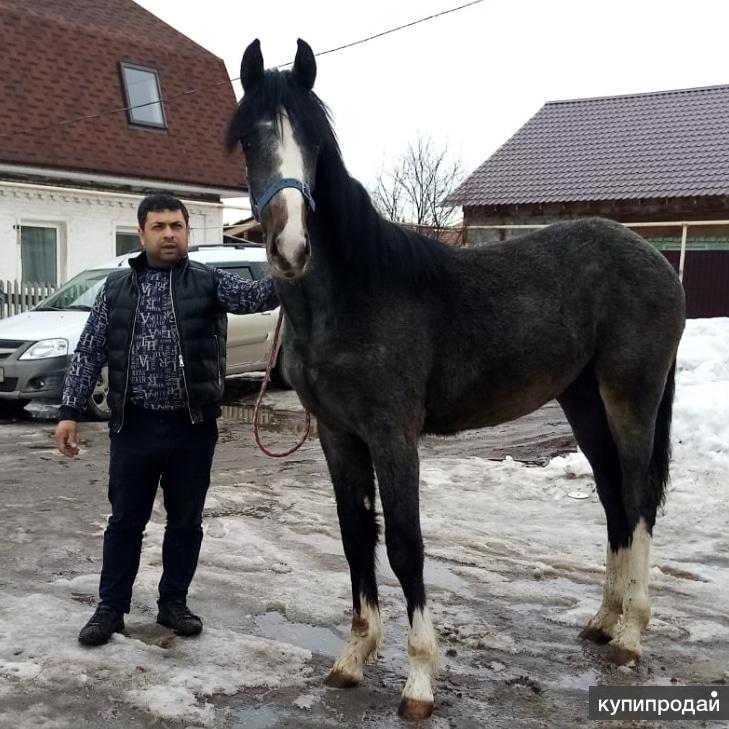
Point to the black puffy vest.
(201, 324)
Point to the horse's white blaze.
(363, 643)
(423, 652)
(636, 603)
(293, 236)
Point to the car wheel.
(97, 408)
(278, 376)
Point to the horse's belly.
(452, 422)
(487, 406)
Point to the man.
(160, 325)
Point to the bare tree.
(412, 189)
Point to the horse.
(390, 335)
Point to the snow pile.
(167, 677)
(701, 407)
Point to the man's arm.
(243, 296)
(82, 375)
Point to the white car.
(35, 346)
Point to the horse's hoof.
(595, 635)
(622, 656)
(340, 680)
(415, 709)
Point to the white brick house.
(79, 228)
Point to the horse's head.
(281, 126)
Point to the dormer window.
(142, 95)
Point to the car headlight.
(46, 348)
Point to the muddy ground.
(509, 656)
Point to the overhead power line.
(32, 131)
(392, 30)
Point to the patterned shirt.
(155, 375)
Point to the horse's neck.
(313, 302)
(309, 301)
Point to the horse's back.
(586, 270)
(565, 252)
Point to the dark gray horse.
(390, 335)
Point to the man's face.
(164, 237)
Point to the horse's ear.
(305, 65)
(251, 67)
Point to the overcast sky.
(469, 79)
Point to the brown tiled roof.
(59, 59)
(655, 145)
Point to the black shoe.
(177, 615)
(103, 624)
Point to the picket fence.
(19, 296)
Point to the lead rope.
(262, 392)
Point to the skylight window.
(142, 95)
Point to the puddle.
(151, 634)
(577, 681)
(84, 598)
(329, 545)
(270, 419)
(261, 718)
(436, 574)
(318, 640)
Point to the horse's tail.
(661, 457)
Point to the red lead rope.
(262, 392)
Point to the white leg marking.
(293, 236)
(611, 609)
(423, 652)
(636, 603)
(363, 643)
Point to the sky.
(471, 78)
(473, 521)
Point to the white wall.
(87, 223)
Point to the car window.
(260, 269)
(79, 293)
(238, 269)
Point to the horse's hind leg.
(638, 409)
(585, 412)
(396, 462)
(352, 474)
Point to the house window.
(142, 96)
(39, 254)
(127, 242)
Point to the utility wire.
(87, 117)
(392, 30)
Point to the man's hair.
(157, 204)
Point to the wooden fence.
(19, 296)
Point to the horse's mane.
(355, 235)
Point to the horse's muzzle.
(286, 259)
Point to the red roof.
(656, 145)
(60, 60)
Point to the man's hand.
(67, 437)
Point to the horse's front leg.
(351, 470)
(397, 466)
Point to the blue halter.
(258, 206)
